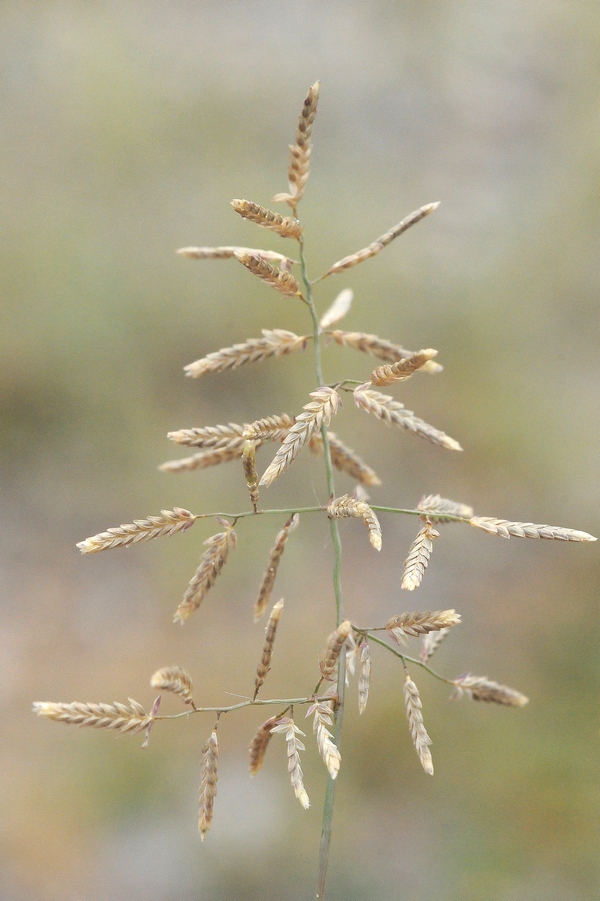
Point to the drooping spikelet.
(403, 369)
(480, 688)
(274, 343)
(249, 462)
(213, 561)
(439, 509)
(415, 624)
(213, 436)
(506, 529)
(333, 648)
(259, 744)
(208, 783)
(268, 579)
(418, 557)
(431, 643)
(226, 253)
(378, 245)
(338, 309)
(168, 523)
(392, 412)
(346, 506)
(279, 279)
(298, 170)
(323, 711)
(271, 428)
(265, 663)
(176, 679)
(209, 457)
(283, 225)
(345, 459)
(286, 726)
(418, 733)
(325, 404)
(123, 717)
(364, 678)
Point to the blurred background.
(127, 128)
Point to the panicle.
(334, 645)
(392, 412)
(418, 732)
(480, 688)
(418, 557)
(176, 679)
(506, 529)
(265, 663)
(212, 562)
(168, 523)
(346, 506)
(208, 783)
(283, 225)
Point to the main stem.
(339, 601)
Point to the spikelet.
(249, 462)
(338, 309)
(208, 783)
(279, 279)
(213, 436)
(124, 717)
(364, 678)
(431, 643)
(378, 245)
(418, 733)
(213, 561)
(403, 369)
(325, 404)
(415, 624)
(168, 523)
(439, 509)
(418, 557)
(505, 529)
(327, 748)
(268, 579)
(352, 654)
(175, 679)
(346, 506)
(271, 428)
(345, 459)
(259, 744)
(226, 253)
(274, 343)
(371, 344)
(392, 412)
(333, 648)
(265, 663)
(286, 726)
(298, 170)
(203, 459)
(480, 688)
(283, 225)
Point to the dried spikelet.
(259, 744)
(505, 529)
(480, 688)
(403, 369)
(274, 343)
(268, 579)
(213, 436)
(418, 557)
(168, 523)
(431, 643)
(265, 663)
(279, 279)
(418, 733)
(415, 624)
(327, 748)
(175, 679)
(283, 225)
(345, 459)
(352, 654)
(371, 344)
(213, 561)
(348, 506)
(226, 253)
(378, 245)
(334, 645)
(208, 783)
(298, 170)
(124, 717)
(364, 678)
(338, 308)
(392, 412)
(271, 428)
(203, 459)
(325, 404)
(439, 509)
(286, 726)
(249, 462)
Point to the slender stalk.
(289, 511)
(403, 657)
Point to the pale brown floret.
(333, 648)
(124, 717)
(259, 744)
(364, 676)
(338, 309)
(379, 347)
(265, 663)
(268, 579)
(347, 506)
(227, 253)
(208, 783)
(168, 523)
(176, 679)
(439, 509)
(213, 436)
(418, 733)
(418, 557)
(480, 688)
(506, 529)
(345, 459)
(298, 170)
(279, 279)
(249, 463)
(282, 225)
(323, 711)
(274, 343)
(392, 412)
(271, 428)
(415, 624)
(213, 561)
(203, 459)
(431, 643)
(403, 369)
(286, 726)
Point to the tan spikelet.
(328, 750)
(281, 280)
(403, 369)
(274, 343)
(418, 557)
(168, 523)
(346, 506)
(439, 509)
(213, 561)
(286, 726)
(418, 733)
(338, 309)
(299, 167)
(175, 679)
(271, 428)
(364, 678)
(415, 624)
(392, 412)
(213, 436)
(123, 717)
(208, 783)
(249, 463)
(203, 459)
(259, 745)
(371, 344)
(268, 579)
(227, 253)
(480, 688)
(378, 245)
(506, 529)
(325, 404)
(431, 643)
(265, 663)
(333, 648)
(345, 459)
(282, 225)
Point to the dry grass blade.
(403, 369)
(345, 459)
(325, 404)
(415, 624)
(208, 783)
(378, 245)
(431, 643)
(418, 733)
(265, 663)
(364, 678)
(274, 343)
(249, 462)
(480, 688)
(333, 648)
(213, 436)
(271, 428)
(168, 523)
(279, 279)
(506, 529)
(327, 748)
(123, 717)
(203, 459)
(175, 679)
(299, 167)
(213, 561)
(268, 579)
(418, 557)
(392, 412)
(438, 509)
(282, 225)
(347, 506)
(338, 309)
(259, 744)
(226, 253)
(286, 726)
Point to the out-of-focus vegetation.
(126, 129)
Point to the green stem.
(403, 657)
(288, 512)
